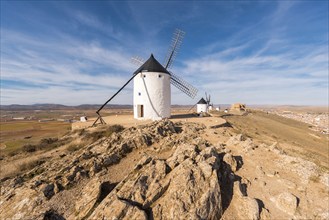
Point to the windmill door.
(140, 110)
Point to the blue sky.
(78, 52)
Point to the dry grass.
(74, 147)
(15, 134)
(44, 144)
(315, 178)
(24, 167)
(29, 165)
(96, 135)
(272, 128)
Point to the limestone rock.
(242, 141)
(287, 202)
(57, 187)
(235, 140)
(181, 153)
(188, 190)
(230, 161)
(52, 215)
(94, 192)
(274, 148)
(246, 207)
(25, 202)
(265, 214)
(48, 191)
(248, 145)
(95, 168)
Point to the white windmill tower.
(201, 106)
(152, 91)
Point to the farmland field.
(15, 134)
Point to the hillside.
(255, 166)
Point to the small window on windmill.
(144, 76)
(139, 94)
(160, 75)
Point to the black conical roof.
(151, 65)
(202, 101)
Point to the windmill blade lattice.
(137, 60)
(183, 86)
(174, 47)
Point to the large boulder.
(94, 192)
(246, 207)
(188, 189)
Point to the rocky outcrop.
(185, 189)
(231, 162)
(72, 187)
(287, 202)
(246, 207)
(245, 143)
(167, 171)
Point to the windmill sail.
(183, 86)
(137, 60)
(174, 47)
(178, 82)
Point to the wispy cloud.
(263, 76)
(42, 70)
(267, 65)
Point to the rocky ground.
(319, 121)
(168, 170)
(318, 118)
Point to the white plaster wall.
(201, 108)
(155, 95)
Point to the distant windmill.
(152, 91)
(209, 106)
(203, 106)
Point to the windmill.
(203, 106)
(152, 91)
(209, 106)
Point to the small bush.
(74, 147)
(94, 136)
(79, 132)
(51, 143)
(46, 141)
(115, 129)
(30, 165)
(29, 148)
(13, 153)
